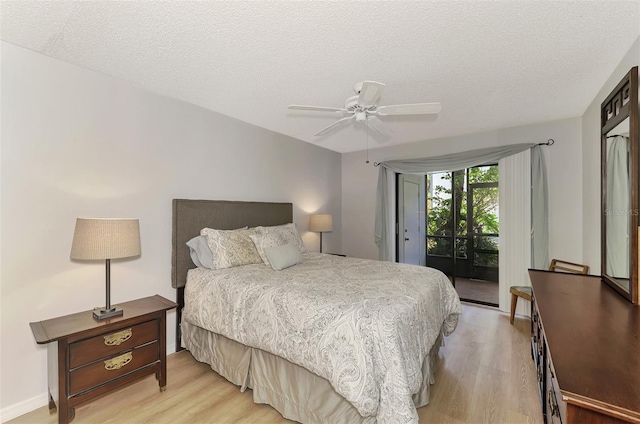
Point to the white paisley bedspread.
(365, 326)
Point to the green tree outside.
(441, 189)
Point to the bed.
(317, 341)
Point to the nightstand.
(87, 358)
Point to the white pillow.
(231, 247)
(281, 257)
(200, 253)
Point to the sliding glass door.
(462, 230)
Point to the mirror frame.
(612, 113)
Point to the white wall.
(564, 166)
(591, 161)
(77, 143)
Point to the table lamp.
(321, 223)
(106, 239)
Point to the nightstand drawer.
(100, 372)
(104, 345)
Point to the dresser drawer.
(556, 408)
(100, 372)
(104, 345)
(560, 407)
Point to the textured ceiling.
(490, 64)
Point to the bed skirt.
(295, 392)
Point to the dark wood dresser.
(88, 358)
(585, 341)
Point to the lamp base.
(102, 313)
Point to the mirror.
(618, 205)
(619, 167)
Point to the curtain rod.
(547, 143)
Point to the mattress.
(364, 326)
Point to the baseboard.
(14, 411)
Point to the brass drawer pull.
(118, 338)
(118, 362)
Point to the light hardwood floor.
(485, 375)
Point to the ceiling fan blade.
(370, 93)
(316, 108)
(339, 123)
(412, 109)
(378, 125)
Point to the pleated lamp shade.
(105, 238)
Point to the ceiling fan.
(363, 107)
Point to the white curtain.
(515, 227)
(539, 211)
(618, 208)
(446, 163)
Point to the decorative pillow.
(200, 253)
(231, 247)
(281, 257)
(287, 232)
(264, 241)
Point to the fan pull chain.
(367, 131)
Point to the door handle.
(406, 239)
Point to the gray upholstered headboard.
(190, 216)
